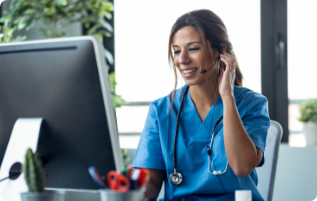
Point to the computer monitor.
(65, 82)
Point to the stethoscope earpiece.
(217, 173)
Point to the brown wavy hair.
(211, 29)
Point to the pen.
(124, 171)
(129, 170)
(134, 179)
(96, 177)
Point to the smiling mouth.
(189, 71)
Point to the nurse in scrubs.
(222, 126)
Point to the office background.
(257, 29)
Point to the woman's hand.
(227, 77)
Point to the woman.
(207, 166)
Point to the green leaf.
(100, 36)
(21, 25)
(106, 24)
(109, 57)
(94, 29)
(30, 25)
(124, 154)
(19, 38)
(30, 11)
(117, 100)
(60, 2)
(48, 10)
(108, 6)
(61, 34)
(86, 24)
(108, 15)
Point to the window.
(302, 69)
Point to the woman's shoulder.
(248, 101)
(166, 100)
(246, 94)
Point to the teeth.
(189, 71)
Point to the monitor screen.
(64, 81)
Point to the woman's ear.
(224, 47)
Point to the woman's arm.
(241, 152)
(154, 184)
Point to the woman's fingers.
(228, 66)
(228, 78)
(228, 55)
(230, 60)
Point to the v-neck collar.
(192, 120)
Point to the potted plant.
(55, 15)
(34, 177)
(308, 115)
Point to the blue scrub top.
(155, 150)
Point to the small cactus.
(33, 172)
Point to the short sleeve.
(257, 122)
(149, 152)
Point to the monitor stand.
(25, 134)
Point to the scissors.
(118, 182)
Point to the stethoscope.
(176, 177)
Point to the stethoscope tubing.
(211, 142)
(176, 130)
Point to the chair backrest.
(266, 173)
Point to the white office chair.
(266, 173)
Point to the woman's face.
(190, 57)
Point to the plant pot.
(45, 196)
(310, 132)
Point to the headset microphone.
(204, 71)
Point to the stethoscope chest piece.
(176, 178)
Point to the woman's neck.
(203, 96)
